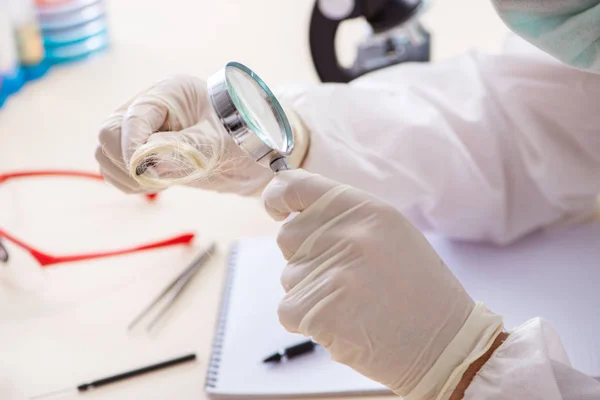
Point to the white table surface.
(71, 327)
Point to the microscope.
(396, 36)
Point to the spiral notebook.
(555, 275)
(248, 330)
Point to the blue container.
(13, 81)
(56, 18)
(3, 95)
(33, 72)
(74, 31)
(61, 37)
(79, 50)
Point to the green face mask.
(566, 29)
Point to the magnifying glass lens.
(256, 107)
(252, 116)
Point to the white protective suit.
(516, 136)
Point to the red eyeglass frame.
(46, 259)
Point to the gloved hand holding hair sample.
(172, 133)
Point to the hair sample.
(178, 158)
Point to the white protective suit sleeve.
(531, 365)
(481, 147)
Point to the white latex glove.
(365, 284)
(178, 107)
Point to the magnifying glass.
(251, 114)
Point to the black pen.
(291, 352)
(125, 375)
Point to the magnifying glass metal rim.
(237, 126)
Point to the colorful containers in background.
(21, 47)
(11, 75)
(72, 29)
(36, 34)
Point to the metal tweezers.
(175, 288)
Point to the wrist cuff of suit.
(474, 339)
(301, 139)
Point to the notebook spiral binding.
(212, 374)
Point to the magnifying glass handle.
(280, 164)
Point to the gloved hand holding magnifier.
(249, 112)
(251, 115)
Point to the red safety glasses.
(45, 259)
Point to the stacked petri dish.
(73, 29)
